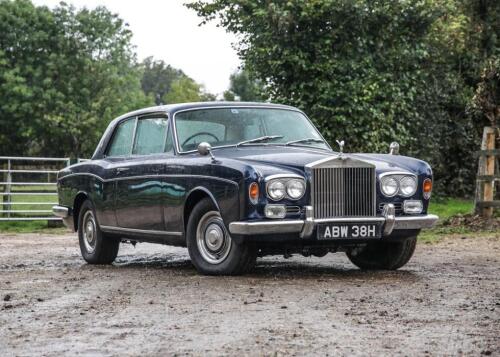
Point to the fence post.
(485, 183)
(490, 170)
(8, 188)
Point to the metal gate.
(28, 187)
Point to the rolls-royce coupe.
(235, 181)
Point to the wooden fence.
(488, 174)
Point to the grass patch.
(449, 207)
(30, 227)
(436, 234)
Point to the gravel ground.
(446, 301)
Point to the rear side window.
(150, 136)
(121, 143)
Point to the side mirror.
(394, 148)
(204, 149)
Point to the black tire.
(384, 255)
(228, 259)
(100, 249)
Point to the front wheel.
(96, 248)
(210, 246)
(384, 255)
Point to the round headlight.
(276, 190)
(408, 186)
(389, 186)
(295, 189)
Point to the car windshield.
(245, 126)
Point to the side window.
(150, 136)
(121, 143)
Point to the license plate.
(349, 231)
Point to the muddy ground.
(446, 301)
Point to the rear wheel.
(96, 248)
(384, 255)
(210, 246)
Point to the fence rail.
(28, 187)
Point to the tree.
(183, 90)
(244, 88)
(158, 77)
(64, 74)
(486, 101)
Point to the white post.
(8, 187)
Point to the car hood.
(296, 158)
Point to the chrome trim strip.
(277, 176)
(292, 109)
(350, 220)
(146, 176)
(401, 173)
(60, 211)
(112, 229)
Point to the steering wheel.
(198, 134)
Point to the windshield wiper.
(259, 139)
(305, 141)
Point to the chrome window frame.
(164, 114)
(176, 139)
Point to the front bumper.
(60, 211)
(305, 227)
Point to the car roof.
(172, 108)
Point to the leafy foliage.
(64, 74)
(168, 85)
(243, 87)
(373, 72)
(486, 100)
(158, 77)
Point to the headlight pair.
(402, 184)
(290, 187)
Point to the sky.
(169, 31)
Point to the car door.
(138, 188)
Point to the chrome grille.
(343, 192)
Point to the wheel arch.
(77, 204)
(193, 197)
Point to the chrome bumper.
(60, 211)
(306, 227)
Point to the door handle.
(121, 169)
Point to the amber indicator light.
(253, 192)
(427, 186)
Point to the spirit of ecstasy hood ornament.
(341, 146)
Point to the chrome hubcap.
(214, 243)
(89, 231)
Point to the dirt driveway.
(446, 301)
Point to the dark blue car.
(234, 181)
